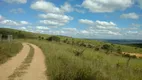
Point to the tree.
(54, 38)
(119, 50)
(108, 48)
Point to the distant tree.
(97, 48)
(39, 37)
(119, 50)
(108, 48)
(65, 41)
(73, 41)
(42, 38)
(54, 38)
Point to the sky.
(93, 19)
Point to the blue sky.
(95, 19)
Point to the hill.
(70, 58)
(19, 34)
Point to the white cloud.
(105, 32)
(79, 11)
(45, 7)
(77, 5)
(100, 28)
(113, 33)
(16, 1)
(51, 23)
(84, 32)
(130, 16)
(23, 28)
(52, 19)
(106, 5)
(86, 21)
(56, 17)
(64, 31)
(105, 25)
(13, 23)
(132, 32)
(50, 7)
(24, 22)
(9, 22)
(67, 7)
(140, 3)
(99, 24)
(70, 29)
(136, 25)
(1, 18)
(17, 10)
(42, 27)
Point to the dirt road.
(36, 70)
(7, 68)
(131, 54)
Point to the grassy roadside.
(63, 64)
(8, 50)
(21, 70)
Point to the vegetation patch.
(63, 64)
(54, 38)
(8, 50)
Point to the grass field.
(8, 50)
(81, 59)
(63, 63)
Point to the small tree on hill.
(119, 50)
(54, 38)
(108, 48)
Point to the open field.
(69, 58)
(71, 40)
(63, 64)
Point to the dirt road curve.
(7, 68)
(136, 54)
(36, 70)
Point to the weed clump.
(78, 52)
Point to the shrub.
(97, 49)
(83, 44)
(126, 55)
(133, 56)
(106, 46)
(90, 45)
(54, 38)
(78, 52)
(119, 50)
(65, 41)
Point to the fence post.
(10, 38)
(0, 37)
